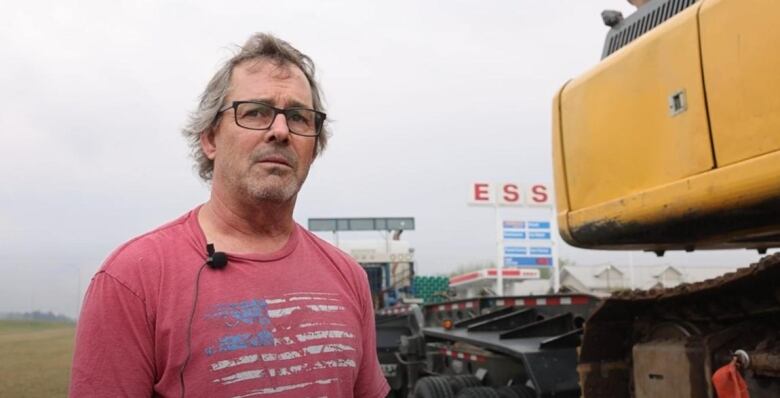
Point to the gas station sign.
(509, 194)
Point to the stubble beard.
(274, 188)
(261, 184)
(278, 184)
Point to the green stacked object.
(432, 289)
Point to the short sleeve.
(114, 343)
(371, 382)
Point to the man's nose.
(279, 129)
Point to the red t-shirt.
(294, 323)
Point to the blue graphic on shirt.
(244, 312)
(250, 312)
(242, 341)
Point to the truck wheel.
(516, 391)
(528, 391)
(478, 392)
(508, 392)
(463, 381)
(433, 387)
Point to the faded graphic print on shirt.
(283, 345)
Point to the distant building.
(600, 280)
(604, 279)
(517, 282)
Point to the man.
(270, 310)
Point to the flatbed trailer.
(513, 346)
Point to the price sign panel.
(527, 243)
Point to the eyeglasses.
(254, 115)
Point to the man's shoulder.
(339, 257)
(149, 249)
(324, 245)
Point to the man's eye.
(299, 117)
(256, 112)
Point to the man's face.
(261, 165)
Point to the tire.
(523, 391)
(460, 382)
(433, 387)
(478, 392)
(507, 392)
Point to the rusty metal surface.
(766, 363)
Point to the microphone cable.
(189, 331)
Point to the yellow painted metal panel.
(741, 61)
(618, 135)
(561, 192)
(741, 200)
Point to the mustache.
(285, 153)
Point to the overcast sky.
(425, 98)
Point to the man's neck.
(241, 228)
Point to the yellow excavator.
(672, 142)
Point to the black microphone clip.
(215, 260)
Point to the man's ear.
(207, 144)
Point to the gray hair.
(260, 46)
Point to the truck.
(508, 346)
(484, 347)
(672, 142)
(513, 346)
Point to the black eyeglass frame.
(319, 117)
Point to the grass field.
(35, 358)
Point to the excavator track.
(669, 342)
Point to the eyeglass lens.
(260, 116)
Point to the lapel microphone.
(215, 260)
